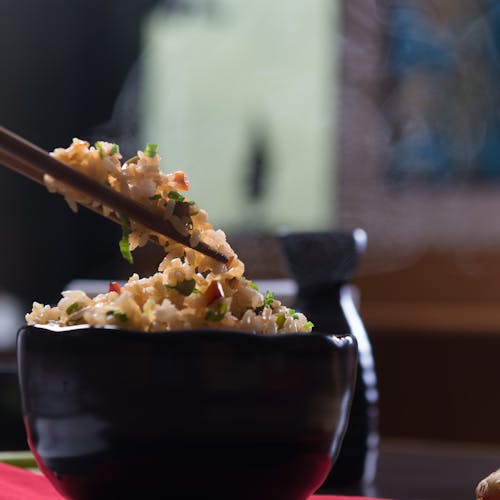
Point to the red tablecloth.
(21, 484)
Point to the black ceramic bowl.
(184, 415)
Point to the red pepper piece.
(180, 179)
(115, 287)
(213, 292)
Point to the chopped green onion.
(251, 284)
(174, 195)
(186, 287)
(151, 150)
(72, 308)
(295, 316)
(121, 316)
(280, 320)
(118, 315)
(216, 314)
(268, 299)
(156, 196)
(309, 324)
(124, 242)
(114, 149)
(98, 146)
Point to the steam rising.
(123, 127)
(419, 128)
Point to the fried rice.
(190, 290)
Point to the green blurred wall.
(247, 75)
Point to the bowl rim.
(77, 331)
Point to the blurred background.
(287, 116)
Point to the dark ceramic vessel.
(325, 296)
(184, 415)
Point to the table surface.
(407, 470)
(422, 470)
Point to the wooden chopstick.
(37, 176)
(33, 162)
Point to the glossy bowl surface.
(184, 415)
